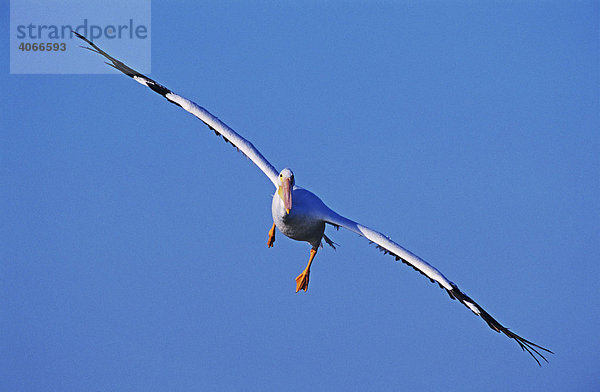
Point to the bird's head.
(286, 184)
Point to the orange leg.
(302, 279)
(271, 236)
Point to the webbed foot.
(271, 237)
(302, 281)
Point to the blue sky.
(133, 241)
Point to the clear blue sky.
(133, 241)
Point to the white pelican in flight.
(302, 216)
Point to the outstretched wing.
(390, 247)
(220, 128)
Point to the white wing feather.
(219, 127)
(401, 254)
(389, 246)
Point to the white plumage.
(302, 216)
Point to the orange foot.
(271, 237)
(302, 281)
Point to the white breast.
(304, 222)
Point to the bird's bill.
(286, 194)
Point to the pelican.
(301, 215)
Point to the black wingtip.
(526, 345)
(80, 36)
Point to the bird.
(301, 215)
